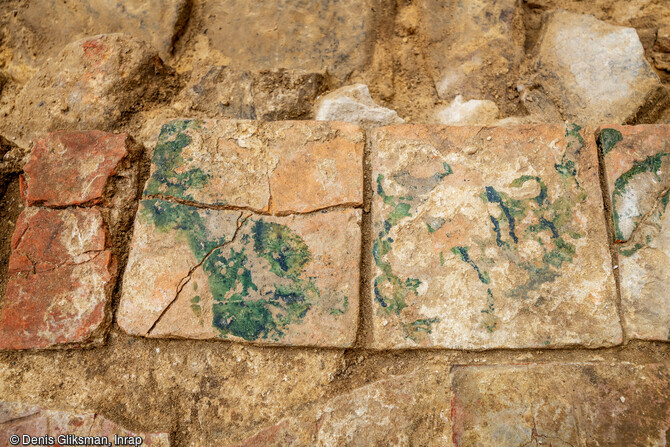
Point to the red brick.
(61, 280)
(73, 168)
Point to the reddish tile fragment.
(73, 168)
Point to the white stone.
(596, 72)
(353, 104)
(473, 112)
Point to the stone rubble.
(353, 104)
(91, 84)
(472, 112)
(595, 72)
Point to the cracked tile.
(193, 273)
(637, 176)
(489, 238)
(61, 280)
(280, 167)
(564, 404)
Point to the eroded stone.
(20, 419)
(61, 280)
(282, 167)
(474, 48)
(225, 92)
(202, 273)
(400, 410)
(74, 168)
(472, 112)
(91, 84)
(333, 36)
(353, 104)
(489, 238)
(637, 173)
(596, 72)
(157, 22)
(560, 404)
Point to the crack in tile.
(268, 211)
(186, 279)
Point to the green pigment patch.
(651, 164)
(396, 301)
(419, 329)
(239, 309)
(552, 218)
(167, 177)
(607, 139)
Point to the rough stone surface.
(470, 44)
(663, 39)
(224, 92)
(193, 273)
(472, 112)
(489, 238)
(398, 411)
(156, 22)
(74, 168)
(60, 280)
(596, 72)
(353, 104)
(560, 404)
(281, 167)
(20, 419)
(91, 84)
(637, 173)
(333, 36)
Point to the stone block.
(489, 238)
(564, 404)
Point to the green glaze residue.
(167, 161)
(651, 164)
(608, 139)
(267, 252)
(489, 320)
(238, 311)
(380, 247)
(418, 329)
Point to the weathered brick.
(282, 167)
(24, 419)
(637, 175)
(194, 273)
(489, 238)
(560, 404)
(74, 168)
(61, 280)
